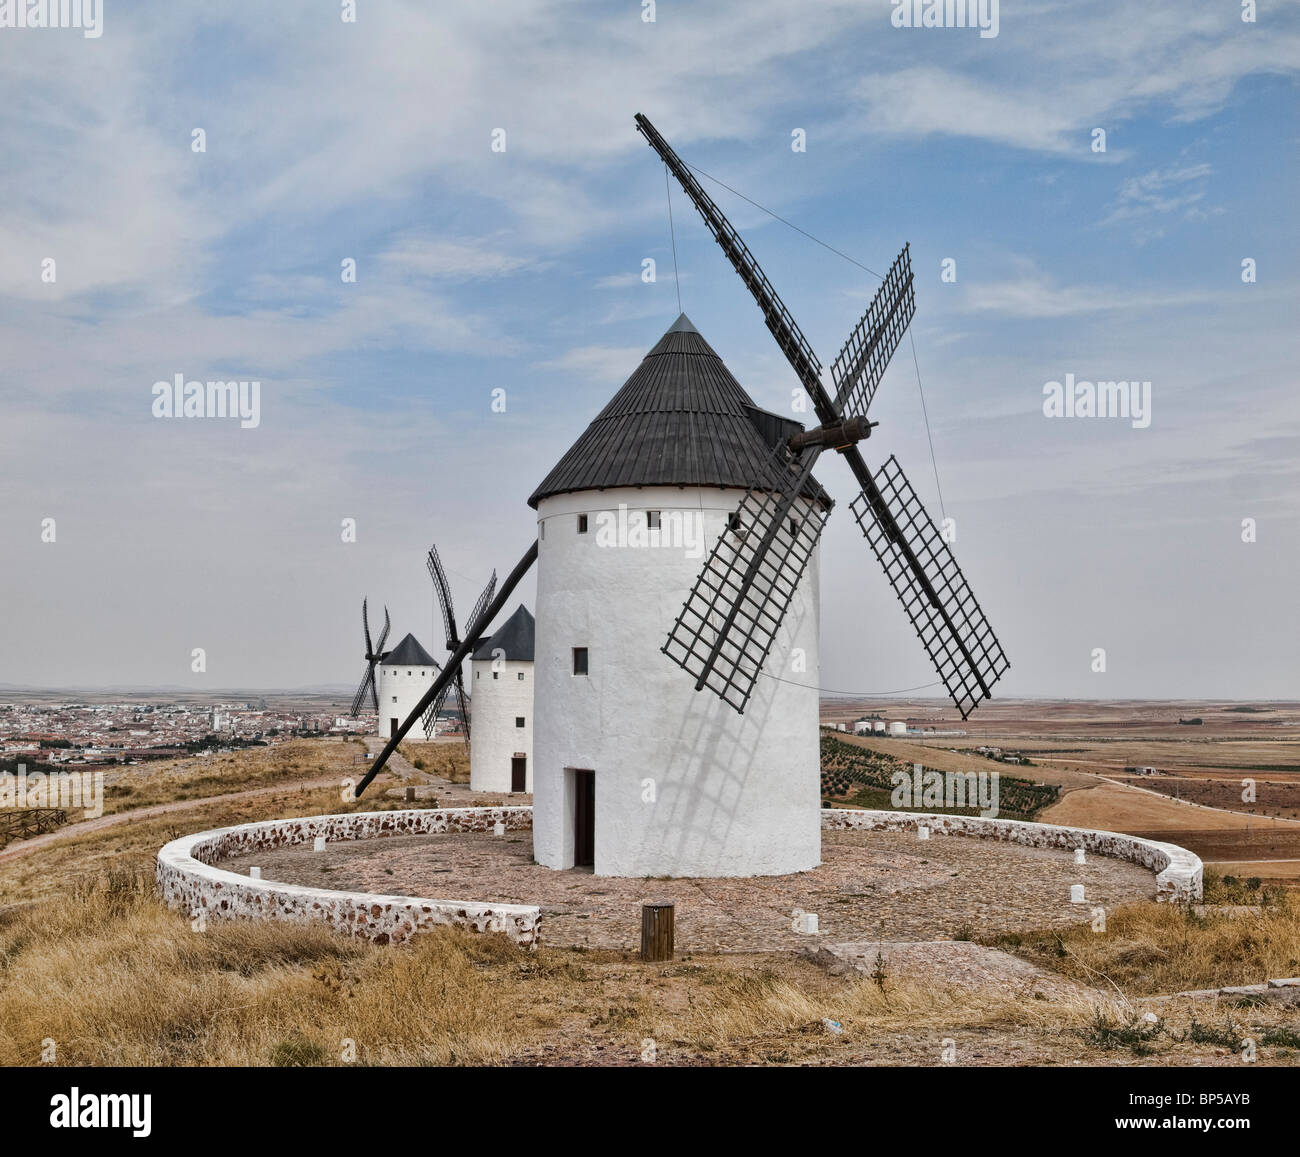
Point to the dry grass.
(133, 846)
(198, 777)
(113, 977)
(1163, 948)
(448, 759)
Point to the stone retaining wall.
(189, 878)
(1178, 872)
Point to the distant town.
(94, 733)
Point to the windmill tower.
(501, 756)
(405, 674)
(665, 782)
(685, 509)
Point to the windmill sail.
(924, 573)
(373, 655)
(730, 619)
(443, 591)
(367, 689)
(778, 318)
(861, 363)
(483, 600)
(430, 717)
(727, 626)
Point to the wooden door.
(393, 725)
(584, 819)
(519, 773)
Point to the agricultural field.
(1195, 798)
(857, 775)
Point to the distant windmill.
(443, 590)
(374, 655)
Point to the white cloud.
(434, 257)
(1044, 90)
(598, 363)
(1037, 296)
(1161, 191)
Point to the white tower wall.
(400, 690)
(495, 737)
(728, 795)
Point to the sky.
(520, 270)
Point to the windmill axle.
(839, 436)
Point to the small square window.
(579, 660)
(794, 528)
(496, 674)
(652, 519)
(519, 720)
(478, 674)
(582, 524)
(521, 676)
(733, 521)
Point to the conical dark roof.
(680, 420)
(514, 637)
(409, 653)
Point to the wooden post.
(656, 931)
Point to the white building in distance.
(501, 689)
(637, 773)
(405, 674)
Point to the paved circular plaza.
(886, 885)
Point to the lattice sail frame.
(443, 590)
(429, 719)
(373, 655)
(761, 605)
(861, 363)
(954, 632)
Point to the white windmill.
(635, 772)
(501, 755)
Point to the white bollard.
(318, 844)
(1076, 894)
(498, 828)
(922, 832)
(254, 873)
(1079, 856)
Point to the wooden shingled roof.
(680, 420)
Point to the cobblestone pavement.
(871, 885)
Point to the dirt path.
(84, 827)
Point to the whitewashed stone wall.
(189, 876)
(400, 692)
(498, 703)
(684, 785)
(1179, 873)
